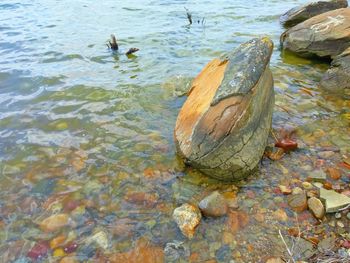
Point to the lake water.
(88, 134)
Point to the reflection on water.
(88, 165)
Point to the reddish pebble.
(287, 144)
(70, 248)
(250, 194)
(39, 250)
(327, 185)
(346, 244)
(71, 205)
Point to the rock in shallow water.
(325, 35)
(316, 207)
(337, 77)
(213, 205)
(334, 201)
(302, 13)
(222, 128)
(298, 202)
(187, 217)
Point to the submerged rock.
(54, 222)
(187, 217)
(325, 35)
(222, 128)
(316, 207)
(301, 13)
(333, 200)
(337, 77)
(298, 202)
(213, 205)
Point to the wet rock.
(298, 202)
(333, 200)
(337, 77)
(236, 220)
(213, 205)
(318, 176)
(143, 252)
(275, 260)
(307, 185)
(222, 128)
(297, 190)
(302, 13)
(100, 238)
(334, 173)
(325, 35)
(223, 254)
(187, 217)
(175, 251)
(54, 222)
(285, 189)
(303, 249)
(38, 251)
(337, 215)
(316, 207)
(326, 244)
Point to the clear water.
(89, 133)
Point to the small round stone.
(338, 215)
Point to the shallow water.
(89, 134)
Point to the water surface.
(89, 133)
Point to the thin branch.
(189, 16)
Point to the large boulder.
(222, 128)
(337, 77)
(301, 13)
(326, 35)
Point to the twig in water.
(113, 43)
(285, 244)
(189, 16)
(131, 51)
(274, 135)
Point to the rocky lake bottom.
(88, 166)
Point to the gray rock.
(316, 207)
(176, 250)
(333, 200)
(326, 244)
(302, 13)
(222, 128)
(325, 35)
(318, 176)
(337, 77)
(213, 205)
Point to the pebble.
(213, 205)
(318, 176)
(316, 207)
(297, 190)
(307, 186)
(298, 202)
(340, 224)
(348, 215)
(187, 217)
(54, 222)
(337, 215)
(285, 189)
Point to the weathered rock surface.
(316, 207)
(213, 205)
(222, 128)
(187, 217)
(333, 200)
(337, 77)
(325, 35)
(301, 13)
